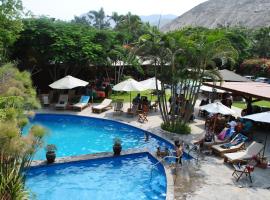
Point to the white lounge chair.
(118, 106)
(236, 144)
(252, 150)
(45, 99)
(83, 103)
(104, 105)
(62, 102)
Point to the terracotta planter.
(117, 149)
(50, 155)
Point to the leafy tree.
(10, 25)
(97, 19)
(261, 41)
(57, 48)
(16, 151)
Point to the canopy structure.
(246, 89)
(68, 82)
(150, 84)
(129, 85)
(263, 117)
(218, 107)
(231, 76)
(211, 89)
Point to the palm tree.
(182, 59)
(99, 19)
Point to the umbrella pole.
(265, 142)
(130, 99)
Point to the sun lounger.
(133, 110)
(236, 144)
(45, 99)
(104, 105)
(118, 106)
(83, 103)
(62, 102)
(252, 150)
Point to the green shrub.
(177, 127)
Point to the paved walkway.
(210, 178)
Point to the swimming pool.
(78, 135)
(118, 178)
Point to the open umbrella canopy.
(129, 85)
(150, 84)
(218, 107)
(263, 117)
(68, 82)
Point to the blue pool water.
(119, 178)
(77, 135)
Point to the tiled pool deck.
(210, 178)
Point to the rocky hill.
(158, 20)
(214, 13)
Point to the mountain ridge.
(228, 13)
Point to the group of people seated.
(140, 101)
(225, 128)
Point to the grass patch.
(126, 95)
(242, 105)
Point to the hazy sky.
(66, 9)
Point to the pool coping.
(67, 159)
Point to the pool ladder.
(162, 160)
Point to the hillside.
(214, 13)
(154, 19)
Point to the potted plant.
(117, 147)
(50, 153)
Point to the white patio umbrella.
(150, 84)
(68, 82)
(218, 107)
(129, 85)
(263, 117)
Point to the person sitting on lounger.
(239, 138)
(208, 137)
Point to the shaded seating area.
(83, 103)
(62, 102)
(103, 106)
(252, 150)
